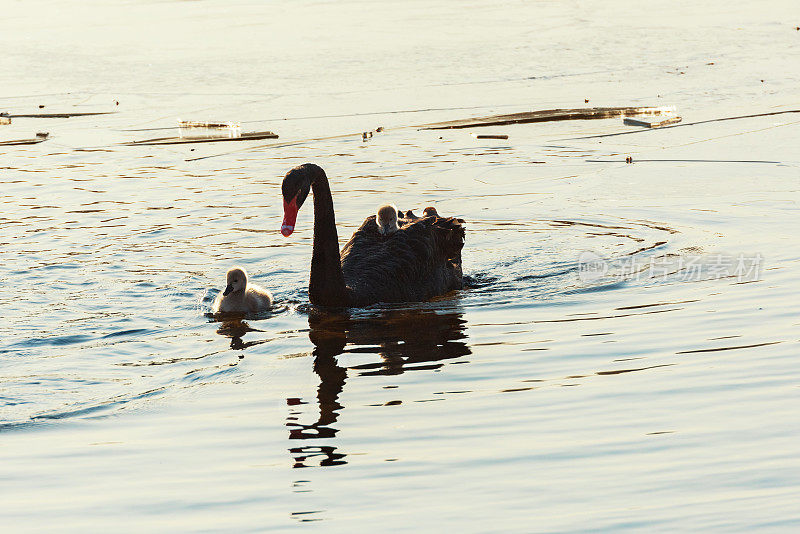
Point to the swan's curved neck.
(326, 286)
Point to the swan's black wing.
(419, 261)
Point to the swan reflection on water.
(235, 328)
(405, 340)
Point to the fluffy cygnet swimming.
(241, 297)
(430, 211)
(386, 219)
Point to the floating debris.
(4, 118)
(549, 115)
(247, 136)
(629, 159)
(57, 115)
(707, 121)
(40, 136)
(651, 123)
(208, 130)
(489, 136)
(202, 124)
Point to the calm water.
(625, 357)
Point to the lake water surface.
(624, 358)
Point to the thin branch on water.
(682, 161)
(737, 117)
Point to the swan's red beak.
(289, 217)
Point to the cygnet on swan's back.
(386, 219)
(241, 297)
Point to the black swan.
(419, 261)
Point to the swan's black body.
(419, 261)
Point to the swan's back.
(419, 261)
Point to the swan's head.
(386, 219)
(237, 281)
(295, 188)
(430, 211)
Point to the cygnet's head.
(386, 219)
(430, 211)
(237, 281)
